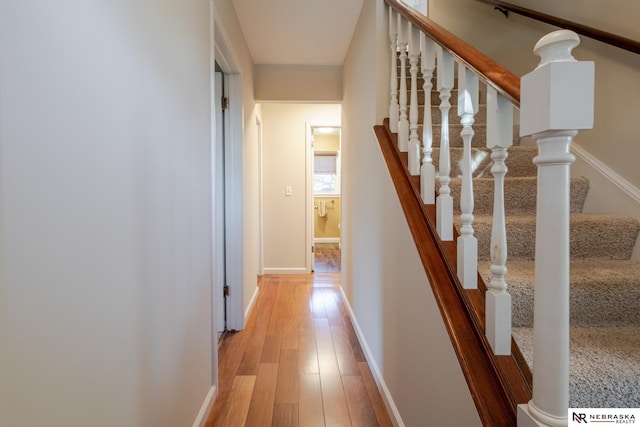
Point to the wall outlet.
(288, 190)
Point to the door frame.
(234, 245)
(260, 197)
(218, 205)
(310, 210)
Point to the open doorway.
(326, 199)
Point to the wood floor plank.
(360, 409)
(257, 333)
(327, 361)
(271, 349)
(287, 387)
(311, 412)
(344, 354)
(331, 306)
(240, 399)
(382, 416)
(351, 333)
(285, 415)
(264, 393)
(327, 257)
(308, 353)
(230, 355)
(317, 304)
(334, 401)
(290, 340)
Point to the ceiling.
(300, 32)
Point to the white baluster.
(497, 299)
(556, 101)
(414, 143)
(427, 170)
(444, 202)
(467, 242)
(394, 108)
(403, 123)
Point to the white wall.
(383, 277)
(105, 204)
(285, 217)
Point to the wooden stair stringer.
(497, 383)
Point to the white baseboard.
(629, 189)
(326, 240)
(247, 312)
(297, 270)
(373, 365)
(203, 414)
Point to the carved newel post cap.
(556, 47)
(559, 94)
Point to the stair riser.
(519, 195)
(605, 237)
(519, 162)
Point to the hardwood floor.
(326, 258)
(298, 362)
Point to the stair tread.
(604, 365)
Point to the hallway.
(297, 363)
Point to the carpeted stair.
(605, 282)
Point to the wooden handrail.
(493, 74)
(593, 33)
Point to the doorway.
(326, 212)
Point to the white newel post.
(403, 123)
(444, 202)
(414, 143)
(497, 299)
(427, 170)
(394, 108)
(557, 99)
(467, 242)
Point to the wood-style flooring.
(297, 362)
(326, 258)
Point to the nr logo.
(580, 418)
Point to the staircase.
(605, 282)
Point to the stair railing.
(554, 132)
(434, 45)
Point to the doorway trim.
(310, 211)
(234, 246)
(260, 197)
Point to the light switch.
(288, 190)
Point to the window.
(325, 173)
